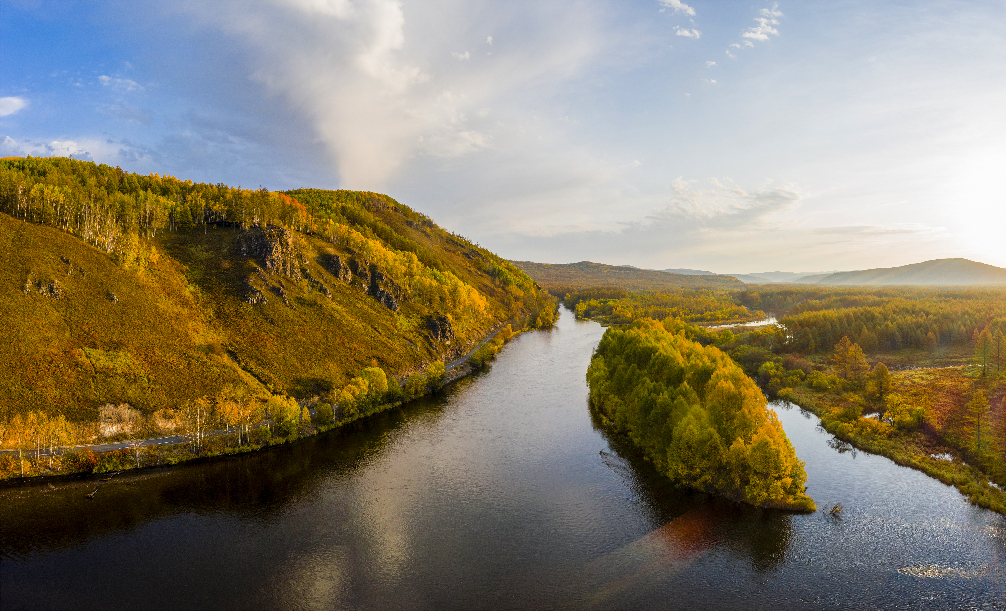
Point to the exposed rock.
(360, 270)
(274, 247)
(321, 288)
(116, 419)
(112, 297)
(253, 295)
(333, 264)
(52, 289)
(281, 292)
(27, 286)
(384, 289)
(440, 329)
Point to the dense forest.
(148, 304)
(613, 306)
(695, 415)
(887, 319)
(915, 374)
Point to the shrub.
(116, 460)
(323, 414)
(81, 461)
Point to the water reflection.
(501, 493)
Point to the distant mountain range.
(560, 278)
(758, 278)
(945, 272)
(948, 272)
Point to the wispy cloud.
(764, 28)
(875, 230)
(693, 33)
(120, 84)
(722, 206)
(380, 101)
(11, 105)
(678, 7)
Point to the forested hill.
(562, 278)
(945, 272)
(155, 291)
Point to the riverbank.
(919, 449)
(131, 454)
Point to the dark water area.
(500, 493)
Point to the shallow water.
(499, 493)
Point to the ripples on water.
(500, 493)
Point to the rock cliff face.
(440, 329)
(368, 276)
(334, 265)
(274, 248)
(384, 289)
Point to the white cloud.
(10, 148)
(678, 7)
(380, 95)
(724, 206)
(11, 105)
(120, 84)
(710, 64)
(764, 29)
(693, 33)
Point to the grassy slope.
(153, 347)
(181, 327)
(562, 278)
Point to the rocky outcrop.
(253, 295)
(384, 289)
(274, 247)
(314, 282)
(51, 289)
(439, 329)
(361, 270)
(358, 272)
(334, 265)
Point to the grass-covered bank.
(918, 449)
(148, 306)
(289, 423)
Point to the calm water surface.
(500, 493)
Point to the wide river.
(499, 493)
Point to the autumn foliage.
(696, 415)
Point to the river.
(500, 493)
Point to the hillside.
(947, 272)
(561, 278)
(152, 291)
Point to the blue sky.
(728, 136)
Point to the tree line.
(695, 415)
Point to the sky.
(728, 136)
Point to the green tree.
(999, 352)
(285, 413)
(850, 362)
(977, 408)
(879, 384)
(983, 350)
